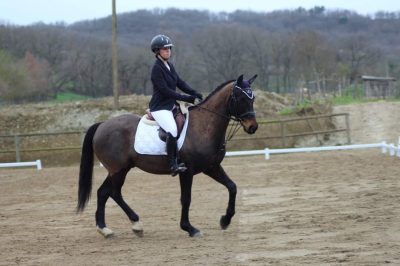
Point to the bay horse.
(203, 150)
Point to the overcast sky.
(25, 12)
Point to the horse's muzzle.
(250, 125)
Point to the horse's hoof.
(197, 234)
(105, 232)
(224, 223)
(137, 228)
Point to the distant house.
(378, 87)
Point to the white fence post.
(39, 164)
(266, 154)
(392, 149)
(384, 147)
(398, 148)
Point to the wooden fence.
(17, 148)
(50, 142)
(312, 130)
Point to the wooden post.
(115, 57)
(390, 89)
(348, 129)
(283, 133)
(16, 144)
(83, 134)
(312, 129)
(366, 94)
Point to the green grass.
(303, 105)
(344, 100)
(353, 95)
(350, 95)
(69, 96)
(286, 111)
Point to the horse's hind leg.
(103, 193)
(111, 187)
(117, 183)
(219, 175)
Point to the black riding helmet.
(160, 41)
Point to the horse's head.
(241, 104)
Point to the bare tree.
(258, 48)
(134, 70)
(221, 48)
(358, 53)
(313, 55)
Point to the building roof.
(373, 78)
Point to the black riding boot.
(172, 152)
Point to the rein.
(221, 115)
(233, 128)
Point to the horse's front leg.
(219, 175)
(186, 180)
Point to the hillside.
(56, 117)
(79, 115)
(318, 49)
(139, 26)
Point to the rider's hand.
(189, 98)
(198, 96)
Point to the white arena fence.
(392, 148)
(36, 163)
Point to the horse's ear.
(239, 80)
(253, 78)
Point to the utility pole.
(115, 57)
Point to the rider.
(165, 81)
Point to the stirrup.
(180, 168)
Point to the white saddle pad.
(148, 142)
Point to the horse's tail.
(86, 169)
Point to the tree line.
(323, 50)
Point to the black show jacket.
(165, 83)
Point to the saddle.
(179, 112)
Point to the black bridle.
(233, 110)
(233, 105)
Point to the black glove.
(189, 98)
(198, 96)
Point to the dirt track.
(318, 209)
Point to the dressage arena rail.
(392, 148)
(36, 163)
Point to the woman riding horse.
(165, 81)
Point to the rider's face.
(165, 52)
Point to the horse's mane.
(217, 89)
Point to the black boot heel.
(172, 148)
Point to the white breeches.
(166, 121)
